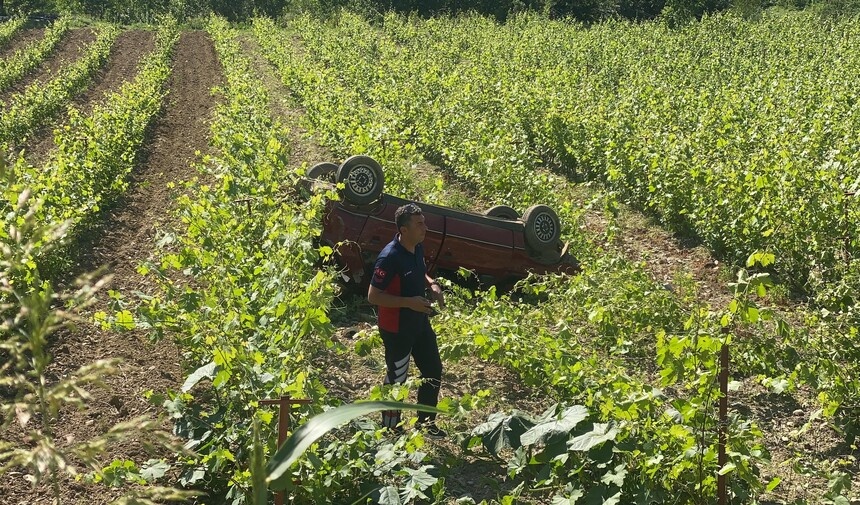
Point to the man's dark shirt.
(401, 273)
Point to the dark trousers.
(421, 345)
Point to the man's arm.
(379, 297)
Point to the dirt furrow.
(126, 53)
(126, 238)
(71, 47)
(666, 256)
(21, 39)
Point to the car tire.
(503, 212)
(542, 227)
(323, 171)
(362, 178)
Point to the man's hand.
(437, 295)
(419, 304)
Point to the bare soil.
(21, 39)
(124, 239)
(126, 54)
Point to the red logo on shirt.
(380, 273)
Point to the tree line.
(588, 11)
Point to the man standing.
(397, 287)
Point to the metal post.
(723, 422)
(284, 404)
(846, 246)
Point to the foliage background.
(588, 11)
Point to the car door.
(476, 243)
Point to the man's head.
(410, 223)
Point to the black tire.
(503, 212)
(362, 178)
(323, 171)
(543, 228)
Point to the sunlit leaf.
(318, 426)
(206, 371)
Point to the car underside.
(499, 247)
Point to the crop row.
(25, 59)
(9, 28)
(95, 153)
(238, 287)
(40, 101)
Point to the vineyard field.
(706, 175)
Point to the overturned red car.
(499, 246)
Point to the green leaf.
(205, 371)
(778, 386)
(602, 495)
(125, 320)
(503, 431)
(762, 258)
(752, 315)
(772, 484)
(192, 476)
(550, 431)
(389, 496)
(221, 377)
(613, 500)
(318, 426)
(729, 467)
(567, 500)
(616, 477)
(419, 480)
(601, 433)
(838, 482)
(679, 431)
(365, 345)
(154, 469)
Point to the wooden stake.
(722, 496)
(284, 404)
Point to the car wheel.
(362, 178)
(323, 171)
(543, 228)
(502, 212)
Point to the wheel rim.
(544, 227)
(361, 180)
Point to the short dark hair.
(404, 213)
